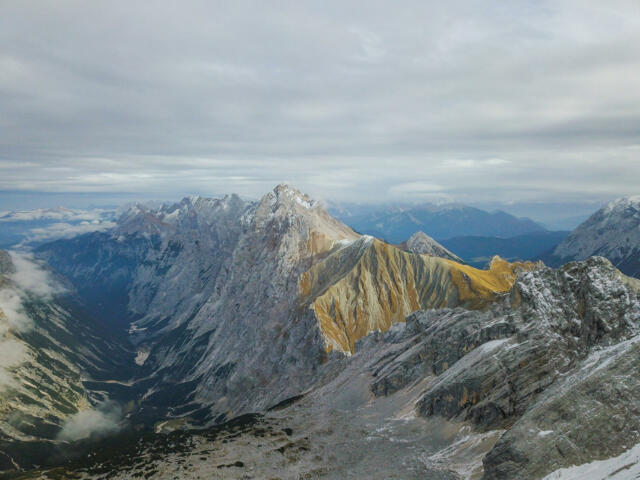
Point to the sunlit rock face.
(368, 285)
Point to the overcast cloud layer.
(373, 100)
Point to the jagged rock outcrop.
(556, 364)
(423, 244)
(612, 232)
(210, 288)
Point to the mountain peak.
(623, 203)
(423, 244)
(612, 232)
(286, 194)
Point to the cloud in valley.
(66, 230)
(105, 419)
(28, 280)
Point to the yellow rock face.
(369, 285)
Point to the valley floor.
(338, 431)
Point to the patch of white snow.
(623, 467)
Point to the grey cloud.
(347, 101)
(14, 353)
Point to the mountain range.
(397, 223)
(224, 338)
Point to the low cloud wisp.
(93, 423)
(27, 281)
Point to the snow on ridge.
(633, 200)
(624, 466)
(304, 203)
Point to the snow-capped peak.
(623, 203)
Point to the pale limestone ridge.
(423, 244)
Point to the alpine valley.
(225, 338)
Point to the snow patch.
(141, 356)
(623, 467)
(304, 203)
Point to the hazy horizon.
(554, 216)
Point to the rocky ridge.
(612, 232)
(423, 244)
(555, 364)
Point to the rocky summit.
(423, 244)
(612, 232)
(222, 338)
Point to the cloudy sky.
(472, 101)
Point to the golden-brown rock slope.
(367, 285)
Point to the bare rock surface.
(423, 244)
(555, 364)
(612, 232)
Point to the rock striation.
(555, 364)
(377, 285)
